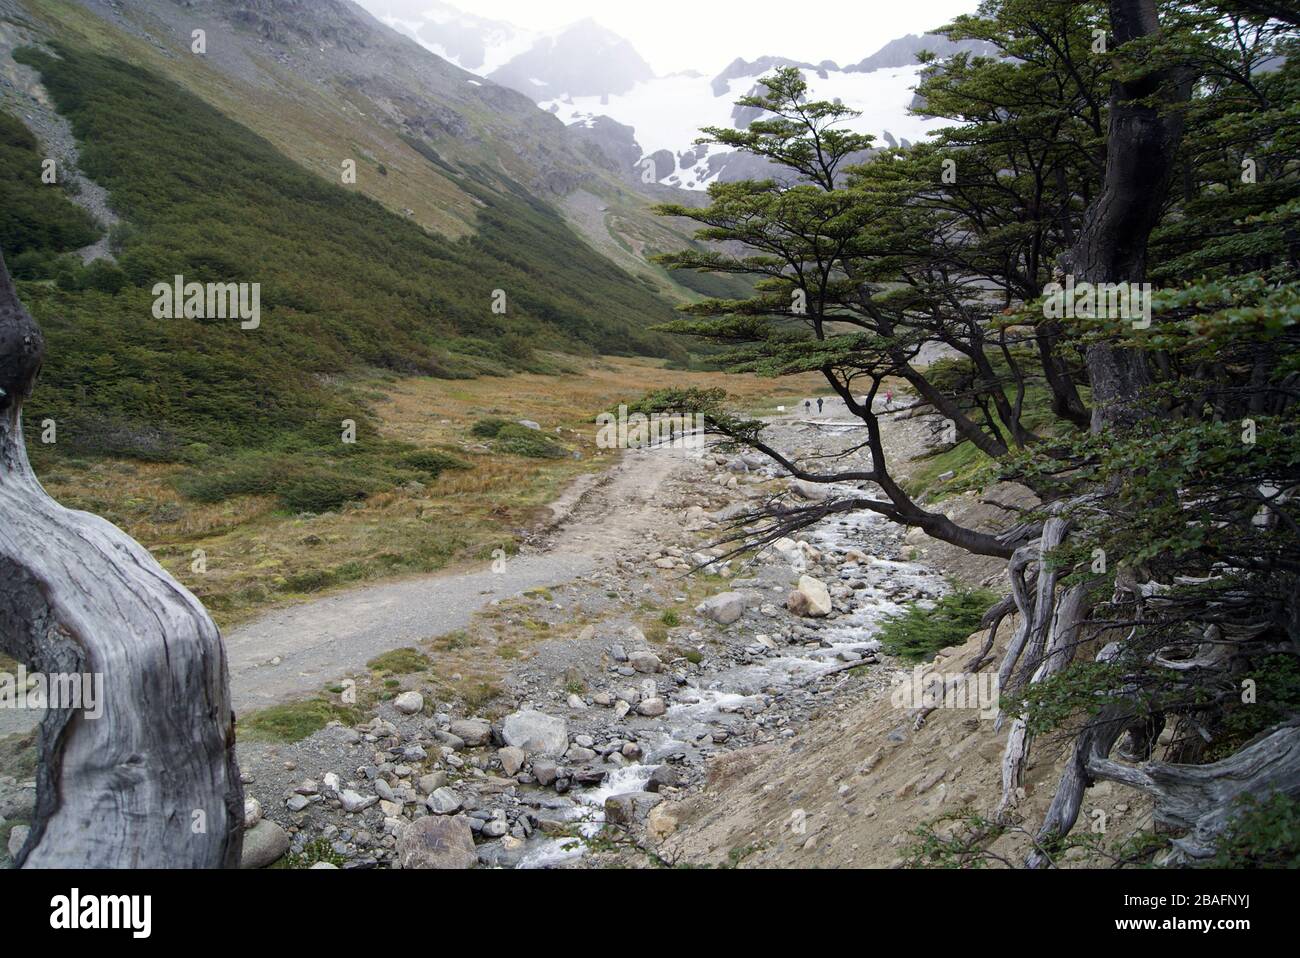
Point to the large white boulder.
(536, 733)
(725, 607)
(810, 598)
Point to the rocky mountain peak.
(584, 59)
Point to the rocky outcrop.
(609, 144)
(903, 51)
(741, 67)
(583, 60)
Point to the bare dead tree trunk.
(152, 781)
(1043, 644)
(1202, 799)
(1198, 799)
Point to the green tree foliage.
(37, 219)
(1180, 539)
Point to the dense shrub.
(918, 633)
(310, 479)
(516, 440)
(489, 428)
(1266, 834)
(321, 490)
(432, 462)
(35, 217)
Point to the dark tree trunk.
(1146, 128)
(152, 781)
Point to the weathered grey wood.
(1202, 799)
(152, 782)
(1198, 799)
(1043, 644)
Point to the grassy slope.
(621, 224)
(314, 127)
(345, 284)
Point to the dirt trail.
(295, 651)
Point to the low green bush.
(489, 428)
(1265, 835)
(918, 633)
(321, 490)
(400, 662)
(433, 462)
(516, 440)
(316, 479)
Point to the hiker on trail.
(889, 399)
(819, 406)
(807, 407)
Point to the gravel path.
(317, 642)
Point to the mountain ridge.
(583, 72)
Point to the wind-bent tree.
(152, 781)
(1157, 581)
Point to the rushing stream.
(734, 691)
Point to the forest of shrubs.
(346, 287)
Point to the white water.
(740, 689)
(589, 814)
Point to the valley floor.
(713, 724)
(764, 740)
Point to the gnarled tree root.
(1198, 799)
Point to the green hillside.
(345, 284)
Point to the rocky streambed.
(779, 636)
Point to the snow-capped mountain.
(470, 42)
(610, 98)
(666, 114)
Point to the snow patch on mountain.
(667, 113)
(583, 72)
(472, 43)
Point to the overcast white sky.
(707, 35)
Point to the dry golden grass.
(257, 556)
